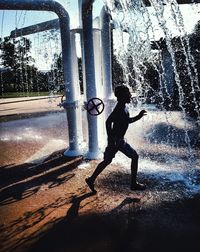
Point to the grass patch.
(30, 94)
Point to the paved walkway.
(48, 207)
(27, 105)
(36, 136)
(22, 99)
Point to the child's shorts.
(123, 146)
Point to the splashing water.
(137, 36)
(159, 67)
(140, 54)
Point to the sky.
(9, 20)
(42, 50)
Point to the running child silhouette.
(116, 127)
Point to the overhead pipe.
(44, 26)
(71, 104)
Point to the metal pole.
(106, 59)
(99, 80)
(91, 89)
(44, 26)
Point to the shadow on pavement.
(21, 181)
(171, 226)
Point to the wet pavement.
(31, 128)
(28, 105)
(46, 205)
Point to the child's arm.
(138, 117)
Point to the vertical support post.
(98, 58)
(91, 90)
(75, 73)
(71, 104)
(99, 79)
(106, 59)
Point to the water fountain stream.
(169, 139)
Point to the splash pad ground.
(46, 206)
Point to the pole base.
(93, 155)
(72, 153)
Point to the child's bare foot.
(90, 184)
(138, 186)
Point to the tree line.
(18, 70)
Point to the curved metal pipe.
(39, 5)
(44, 26)
(71, 104)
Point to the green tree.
(20, 71)
(56, 73)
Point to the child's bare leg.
(134, 169)
(101, 166)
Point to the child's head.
(122, 93)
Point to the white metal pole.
(106, 60)
(99, 83)
(77, 127)
(91, 89)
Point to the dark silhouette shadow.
(24, 182)
(31, 219)
(133, 225)
(126, 201)
(170, 226)
(15, 173)
(73, 211)
(68, 225)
